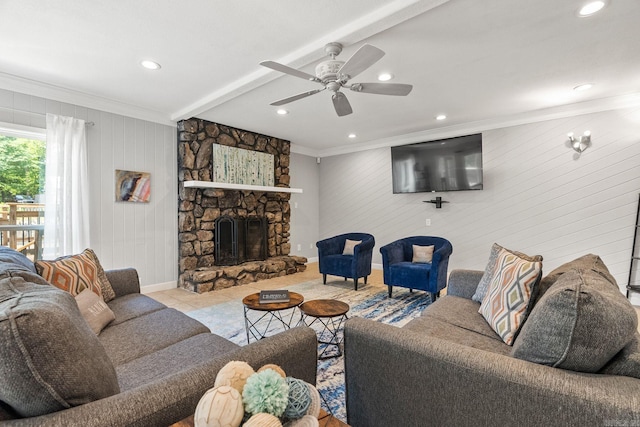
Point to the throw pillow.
(349, 246)
(483, 285)
(505, 304)
(422, 254)
(94, 310)
(49, 358)
(580, 323)
(75, 273)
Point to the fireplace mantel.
(244, 187)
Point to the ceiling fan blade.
(397, 89)
(288, 70)
(364, 57)
(296, 97)
(341, 104)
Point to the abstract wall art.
(132, 186)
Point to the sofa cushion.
(409, 272)
(626, 362)
(423, 254)
(460, 312)
(579, 324)
(74, 273)
(483, 285)
(505, 304)
(585, 262)
(145, 334)
(94, 310)
(130, 306)
(175, 358)
(49, 358)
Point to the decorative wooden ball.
(314, 407)
(299, 398)
(306, 421)
(234, 374)
(276, 368)
(219, 407)
(263, 419)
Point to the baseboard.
(158, 287)
(312, 259)
(375, 266)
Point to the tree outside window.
(22, 163)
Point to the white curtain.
(66, 212)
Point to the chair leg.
(433, 296)
(390, 290)
(410, 290)
(365, 279)
(324, 279)
(345, 279)
(355, 284)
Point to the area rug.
(369, 301)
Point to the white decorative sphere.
(219, 407)
(234, 374)
(276, 368)
(263, 419)
(314, 408)
(306, 421)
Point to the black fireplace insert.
(239, 240)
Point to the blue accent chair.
(399, 270)
(332, 261)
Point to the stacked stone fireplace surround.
(198, 208)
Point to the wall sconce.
(579, 144)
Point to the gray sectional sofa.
(575, 362)
(149, 367)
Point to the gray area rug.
(369, 301)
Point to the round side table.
(331, 314)
(257, 327)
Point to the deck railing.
(22, 227)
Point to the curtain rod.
(38, 114)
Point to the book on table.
(272, 296)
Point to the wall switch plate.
(299, 247)
(295, 205)
(428, 222)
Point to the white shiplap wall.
(536, 197)
(140, 235)
(305, 174)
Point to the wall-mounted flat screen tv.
(451, 164)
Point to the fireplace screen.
(239, 240)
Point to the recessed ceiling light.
(591, 8)
(352, 135)
(150, 65)
(384, 77)
(441, 117)
(282, 112)
(582, 87)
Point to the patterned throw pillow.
(505, 305)
(75, 273)
(483, 285)
(349, 246)
(422, 254)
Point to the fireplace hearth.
(239, 240)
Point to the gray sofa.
(449, 368)
(163, 360)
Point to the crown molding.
(70, 96)
(559, 112)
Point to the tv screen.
(451, 164)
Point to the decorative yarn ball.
(276, 368)
(299, 398)
(266, 391)
(219, 407)
(234, 374)
(263, 420)
(306, 421)
(314, 408)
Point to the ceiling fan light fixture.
(591, 8)
(385, 77)
(150, 65)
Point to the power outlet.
(428, 222)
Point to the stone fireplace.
(213, 224)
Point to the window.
(22, 163)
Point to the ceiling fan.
(334, 75)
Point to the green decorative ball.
(266, 391)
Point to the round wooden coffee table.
(258, 326)
(331, 314)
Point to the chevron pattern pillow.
(505, 305)
(75, 273)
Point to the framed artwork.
(239, 166)
(132, 186)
